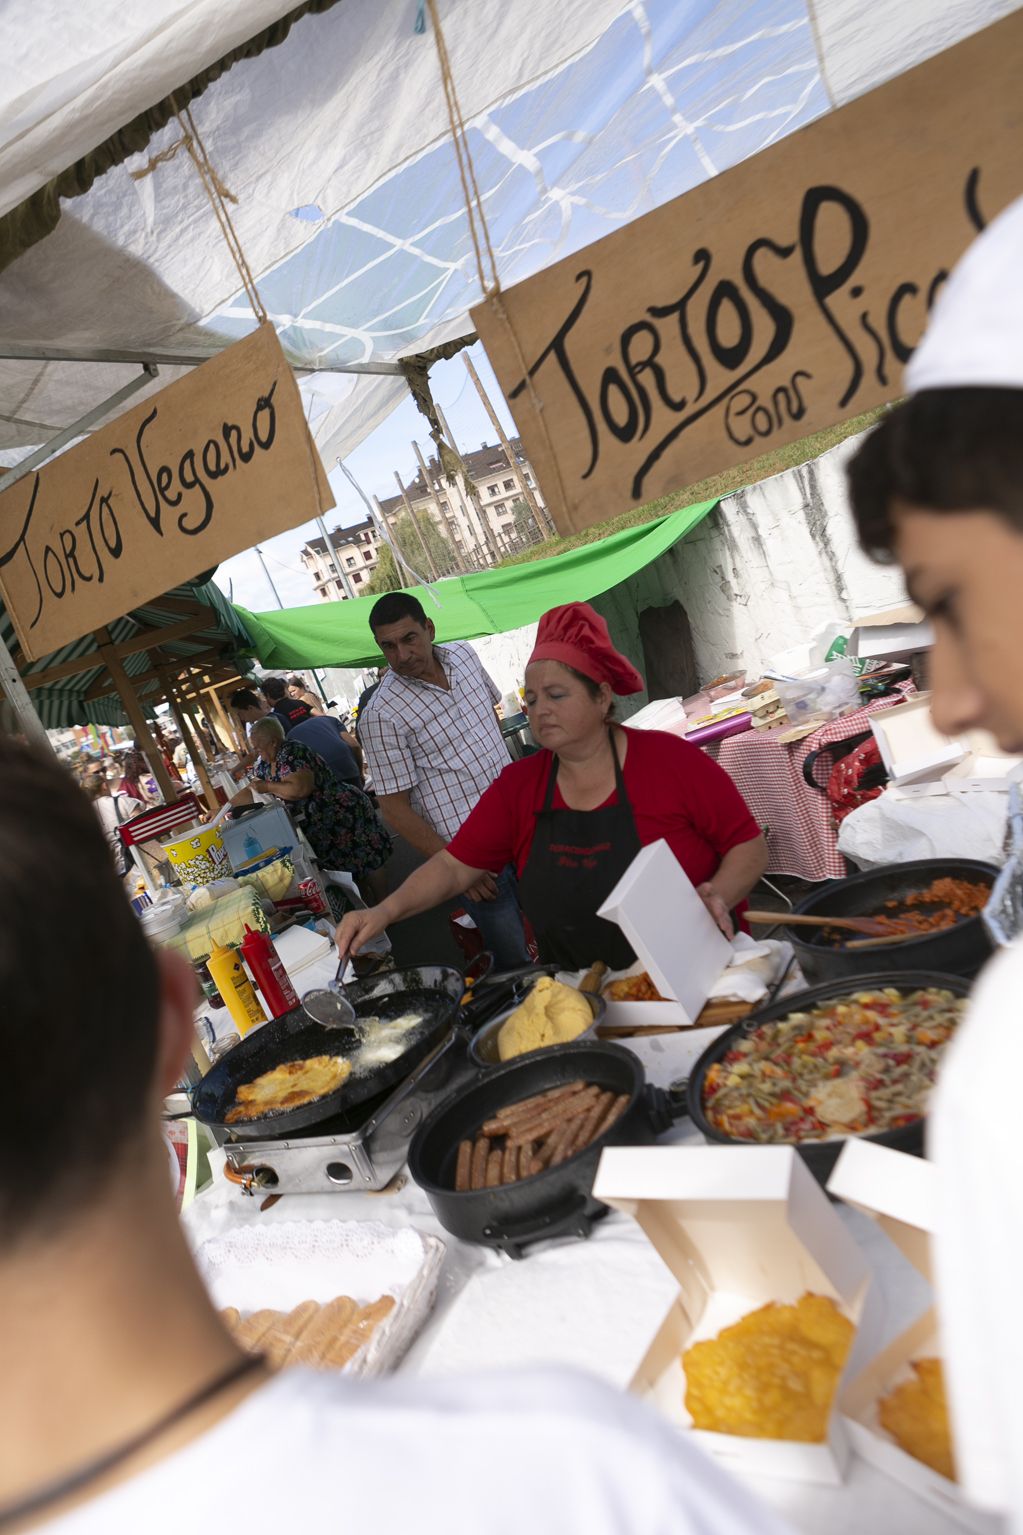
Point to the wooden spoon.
(867, 925)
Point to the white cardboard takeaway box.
(911, 746)
(739, 1226)
(900, 1193)
(657, 908)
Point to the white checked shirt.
(444, 744)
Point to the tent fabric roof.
(63, 701)
(464, 607)
(582, 115)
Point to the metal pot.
(483, 1047)
(819, 1156)
(959, 950)
(559, 1200)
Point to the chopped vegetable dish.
(857, 1065)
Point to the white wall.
(776, 562)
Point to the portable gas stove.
(360, 1150)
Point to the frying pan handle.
(569, 1218)
(663, 1107)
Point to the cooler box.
(257, 833)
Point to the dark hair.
(274, 688)
(296, 682)
(79, 1024)
(943, 450)
(243, 698)
(593, 688)
(394, 606)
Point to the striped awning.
(199, 628)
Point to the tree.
(385, 577)
(524, 523)
(410, 537)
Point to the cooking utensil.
(434, 991)
(327, 1005)
(959, 950)
(869, 925)
(555, 1202)
(879, 943)
(819, 1156)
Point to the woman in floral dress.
(343, 828)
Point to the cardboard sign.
(212, 464)
(779, 298)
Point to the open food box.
(911, 746)
(899, 1192)
(678, 943)
(739, 1228)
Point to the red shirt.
(676, 792)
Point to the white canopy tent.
(582, 115)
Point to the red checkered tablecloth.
(802, 836)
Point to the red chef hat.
(577, 636)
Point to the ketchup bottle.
(267, 971)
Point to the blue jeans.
(500, 923)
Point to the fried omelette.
(771, 1375)
(916, 1416)
(288, 1087)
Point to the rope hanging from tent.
(479, 233)
(219, 196)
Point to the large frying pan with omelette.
(430, 992)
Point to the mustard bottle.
(229, 977)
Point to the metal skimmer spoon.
(327, 1006)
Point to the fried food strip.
(615, 1111)
(480, 1152)
(251, 1331)
(557, 1114)
(318, 1337)
(529, 1108)
(525, 1159)
(593, 977)
(510, 1163)
(463, 1167)
(278, 1343)
(588, 1128)
(345, 1345)
(494, 1163)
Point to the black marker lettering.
(192, 481)
(903, 351)
(153, 517)
(729, 354)
(229, 430)
(69, 548)
(85, 521)
(218, 467)
(823, 284)
(21, 542)
(50, 556)
(625, 428)
(164, 481)
(557, 347)
(108, 528)
(265, 405)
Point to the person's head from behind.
(938, 487)
(247, 705)
(273, 689)
(404, 633)
(103, 1034)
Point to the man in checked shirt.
(433, 744)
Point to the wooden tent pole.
(133, 709)
(194, 747)
(222, 716)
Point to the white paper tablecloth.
(593, 1304)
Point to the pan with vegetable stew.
(838, 1060)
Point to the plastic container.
(165, 917)
(265, 966)
(197, 857)
(228, 975)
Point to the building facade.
(481, 528)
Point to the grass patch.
(719, 485)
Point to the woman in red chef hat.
(573, 816)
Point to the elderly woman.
(573, 816)
(343, 828)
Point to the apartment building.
(478, 539)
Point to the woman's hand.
(357, 928)
(717, 908)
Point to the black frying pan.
(435, 991)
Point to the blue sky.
(373, 465)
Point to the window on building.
(350, 562)
(491, 490)
(357, 578)
(509, 484)
(444, 506)
(367, 554)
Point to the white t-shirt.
(975, 1139)
(527, 1453)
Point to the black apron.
(577, 858)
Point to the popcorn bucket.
(198, 856)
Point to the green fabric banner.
(464, 607)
